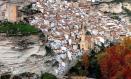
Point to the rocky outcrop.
(113, 8)
(15, 59)
(127, 5)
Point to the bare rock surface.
(127, 5)
(63, 24)
(13, 57)
(113, 8)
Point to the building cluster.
(66, 23)
(9, 9)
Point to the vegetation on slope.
(48, 76)
(16, 29)
(128, 12)
(113, 62)
(49, 51)
(117, 1)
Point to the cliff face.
(63, 27)
(127, 5)
(19, 55)
(16, 59)
(120, 9)
(113, 8)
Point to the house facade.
(11, 12)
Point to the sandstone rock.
(104, 7)
(116, 8)
(113, 8)
(128, 20)
(83, 1)
(127, 5)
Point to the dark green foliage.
(56, 63)
(49, 51)
(74, 0)
(78, 69)
(42, 36)
(48, 76)
(115, 16)
(5, 76)
(130, 20)
(117, 1)
(93, 69)
(102, 47)
(28, 75)
(128, 12)
(15, 29)
(92, 53)
(88, 33)
(17, 77)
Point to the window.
(3, 13)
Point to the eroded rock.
(113, 8)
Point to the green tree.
(93, 69)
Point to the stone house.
(11, 13)
(9, 9)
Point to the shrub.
(117, 1)
(48, 76)
(88, 33)
(93, 69)
(128, 12)
(116, 17)
(78, 70)
(49, 51)
(19, 28)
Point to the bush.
(116, 17)
(93, 69)
(78, 69)
(17, 29)
(48, 76)
(49, 51)
(88, 33)
(117, 1)
(128, 12)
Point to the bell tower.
(83, 42)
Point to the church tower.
(83, 42)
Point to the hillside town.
(71, 28)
